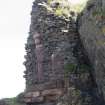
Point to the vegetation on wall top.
(63, 7)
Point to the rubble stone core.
(58, 70)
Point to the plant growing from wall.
(62, 7)
(99, 14)
(69, 68)
(58, 7)
(103, 29)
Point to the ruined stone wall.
(48, 44)
(92, 33)
(58, 70)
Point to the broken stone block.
(27, 95)
(52, 92)
(51, 98)
(37, 99)
(32, 94)
(27, 100)
(34, 99)
(36, 94)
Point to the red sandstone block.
(27, 100)
(33, 99)
(52, 92)
(36, 94)
(32, 94)
(51, 98)
(37, 99)
(28, 95)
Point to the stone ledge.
(45, 95)
(52, 92)
(34, 99)
(32, 94)
(45, 86)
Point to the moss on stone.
(70, 68)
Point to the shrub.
(63, 7)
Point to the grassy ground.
(10, 101)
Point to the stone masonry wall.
(58, 70)
(47, 33)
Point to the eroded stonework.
(92, 33)
(58, 70)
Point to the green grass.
(12, 101)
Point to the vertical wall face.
(48, 47)
(55, 61)
(39, 52)
(92, 33)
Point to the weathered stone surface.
(45, 86)
(48, 48)
(52, 98)
(36, 94)
(37, 100)
(92, 33)
(34, 100)
(52, 92)
(27, 100)
(32, 94)
(56, 59)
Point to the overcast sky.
(14, 27)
